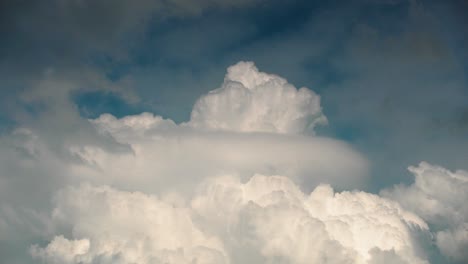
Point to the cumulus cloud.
(203, 191)
(323, 226)
(439, 196)
(151, 154)
(262, 129)
(111, 226)
(254, 101)
(268, 219)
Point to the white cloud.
(144, 153)
(266, 220)
(105, 224)
(439, 196)
(253, 101)
(321, 227)
(157, 193)
(62, 250)
(111, 226)
(254, 123)
(454, 242)
(163, 153)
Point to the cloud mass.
(267, 219)
(245, 180)
(253, 101)
(259, 126)
(439, 196)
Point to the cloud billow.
(263, 220)
(253, 101)
(245, 180)
(439, 196)
(262, 129)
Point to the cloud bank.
(265, 220)
(245, 180)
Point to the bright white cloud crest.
(205, 191)
(253, 101)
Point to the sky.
(249, 131)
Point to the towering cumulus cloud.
(255, 123)
(253, 101)
(245, 180)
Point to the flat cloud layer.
(164, 152)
